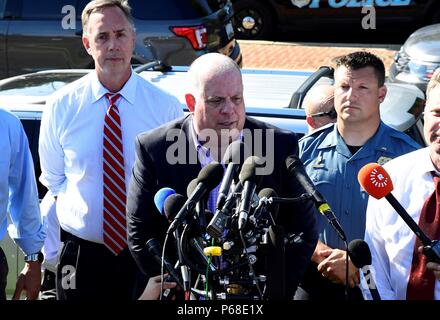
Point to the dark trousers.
(48, 286)
(89, 271)
(3, 274)
(315, 287)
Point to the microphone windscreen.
(359, 253)
(375, 180)
(172, 205)
(235, 153)
(269, 193)
(292, 162)
(191, 186)
(249, 169)
(161, 196)
(211, 175)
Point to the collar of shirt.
(334, 139)
(128, 91)
(204, 153)
(425, 167)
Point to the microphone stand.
(183, 267)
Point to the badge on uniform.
(319, 163)
(382, 160)
(300, 3)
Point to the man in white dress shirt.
(73, 145)
(391, 241)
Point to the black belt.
(67, 236)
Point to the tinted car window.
(2, 8)
(32, 129)
(44, 9)
(175, 9)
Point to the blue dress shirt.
(18, 188)
(333, 169)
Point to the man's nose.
(113, 43)
(351, 94)
(228, 107)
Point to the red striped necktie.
(421, 282)
(114, 223)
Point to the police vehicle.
(258, 19)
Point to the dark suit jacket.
(152, 171)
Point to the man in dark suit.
(173, 154)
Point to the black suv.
(46, 34)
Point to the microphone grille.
(211, 175)
(359, 253)
(375, 180)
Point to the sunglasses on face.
(332, 114)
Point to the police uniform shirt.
(333, 169)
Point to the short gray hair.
(433, 83)
(208, 64)
(98, 5)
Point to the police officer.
(333, 156)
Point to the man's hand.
(29, 280)
(434, 267)
(152, 290)
(333, 267)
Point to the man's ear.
(190, 102)
(382, 93)
(310, 121)
(86, 44)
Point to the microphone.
(250, 180)
(296, 168)
(360, 255)
(200, 205)
(265, 195)
(377, 183)
(218, 223)
(172, 205)
(155, 249)
(233, 158)
(161, 196)
(209, 177)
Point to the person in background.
(401, 271)
(19, 197)
(333, 156)
(87, 152)
(319, 107)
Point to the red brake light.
(197, 35)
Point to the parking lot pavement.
(304, 56)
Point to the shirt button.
(346, 212)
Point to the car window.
(80, 5)
(32, 129)
(2, 8)
(175, 9)
(49, 10)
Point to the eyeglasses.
(332, 114)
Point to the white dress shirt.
(71, 139)
(390, 240)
